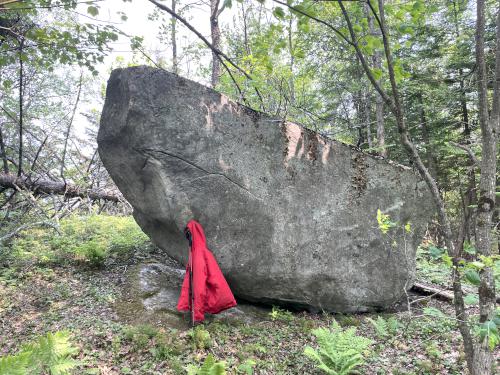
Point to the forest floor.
(40, 297)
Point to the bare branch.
(472, 157)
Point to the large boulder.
(290, 215)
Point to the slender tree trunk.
(245, 28)
(471, 196)
(367, 116)
(368, 94)
(4, 154)
(396, 108)
(379, 101)
(173, 20)
(215, 32)
(429, 155)
(68, 129)
(21, 115)
(483, 358)
(292, 61)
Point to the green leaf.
(487, 328)
(93, 11)
(279, 13)
(477, 265)
(472, 277)
(227, 4)
(471, 299)
(377, 73)
(7, 84)
(435, 252)
(432, 311)
(468, 248)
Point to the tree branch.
(472, 157)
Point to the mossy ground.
(46, 287)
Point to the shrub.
(340, 351)
(49, 354)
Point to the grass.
(44, 288)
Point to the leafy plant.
(489, 331)
(246, 367)
(340, 351)
(348, 320)
(201, 338)
(140, 335)
(385, 328)
(384, 222)
(209, 367)
(435, 252)
(48, 354)
(281, 314)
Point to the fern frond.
(14, 364)
(52, 351)
(207, 365)
(340, 351)
(63, 367)
(218, 369)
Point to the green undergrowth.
(88, 239)
(44, 289)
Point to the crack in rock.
(148, 151)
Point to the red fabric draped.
(210, 289)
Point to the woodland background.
(410, 80)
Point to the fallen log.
(439, 291)
(38, 186)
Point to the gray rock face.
(291, 216)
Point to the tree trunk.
(215, 32)
(471, 196)
(368, 98)
(21, 107)
(173, 20)
(10, 181)
(367, 116)
(292, 61)
(429, 156)
(483, 358)
(379, 101)
(411, 150)
(4, 154)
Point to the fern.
(209, 367)
(340, 351)
(14, 364)
(385, 328)
(51, 353)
